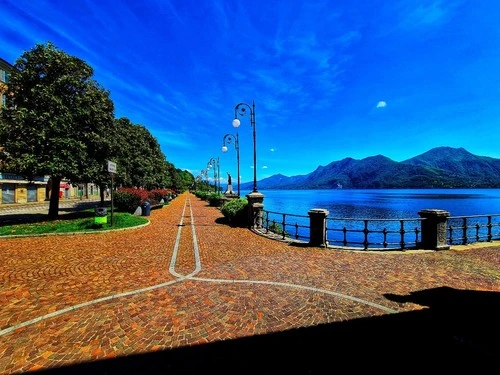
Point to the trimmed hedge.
(214, 199)
(128, 199)
(157, 195)
(201, 194)
(235, 211)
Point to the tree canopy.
(60, 122)
(141, 162)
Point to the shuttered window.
(8, 193)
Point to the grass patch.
(82, 221)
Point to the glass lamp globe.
(236, 123)
(224, 149)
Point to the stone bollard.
(317, 227)
(255, 209)
(434, 229)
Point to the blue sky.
(330, 79)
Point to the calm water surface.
(383, 203)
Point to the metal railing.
(286, 225)
(381, 234)
(356, 233)
(397, 234)
(463, 230)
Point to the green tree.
(179, 180)
(140, 161)
(187, 179)
(56, 118)
(121, 142)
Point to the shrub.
(277, 229)
(201, 194)
(235, 211)
(214, 199)
(155, 196)
(128, 199)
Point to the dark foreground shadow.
(29, 218)
(459, 332)
(77, 211)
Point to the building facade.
(17, 189)
(14, 188)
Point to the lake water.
(383, 203)
(383, 207)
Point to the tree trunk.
(54, 198)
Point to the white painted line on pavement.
(188, 277)
(297, 286)
(85, 304)
(173, 260)
(177, 242)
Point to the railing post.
(317, 227)
(255, 209)
(283, 224)
(434, 229)
(464, 231)
(266, 221)
(489, 225)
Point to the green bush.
(214, 199)
(201, 194)
(235, 211)
(277, 229)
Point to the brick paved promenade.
(190, 294)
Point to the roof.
(6, 65)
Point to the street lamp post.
(196, 181)
(255, 199)
(205, 173)
(208, 170)
(229, 138)
(214, 162)
(241, 109)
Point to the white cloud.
(381, 104)
(264, 167)
(435, 13)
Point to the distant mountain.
(441, 167)
(280, 180)
(471, 170)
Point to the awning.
(65, 186)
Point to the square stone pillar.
(433, 236)
(229, 190)
(317, 227)
(255, 209)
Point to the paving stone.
(250, 294)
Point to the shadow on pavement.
(27, 218)
(76, 211)
(458, 332)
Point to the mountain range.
(440, 167)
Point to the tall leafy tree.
(120, 150)
(185, 180)
(140, 161)
(149, 163)
(56, 119)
